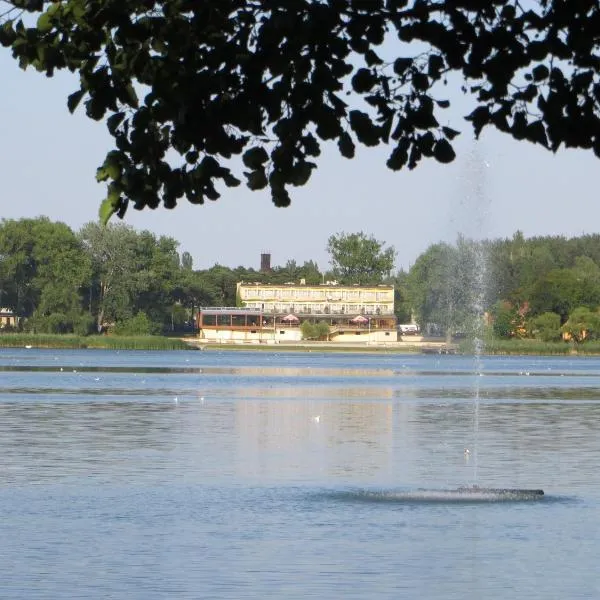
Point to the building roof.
(229, 310)
(328, 285)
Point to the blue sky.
(49, 160)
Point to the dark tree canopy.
(270, 80)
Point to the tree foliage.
(42, 272)
(446, 286)
(546, 327)
(358, 258)
(270, 81)
(582, 324)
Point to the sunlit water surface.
(263, 475)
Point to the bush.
(53, 323)
(546, 327)
(314, 331)
(309, 331)
(583, 324)
(83, 325)
(138, 325)
(322, 330)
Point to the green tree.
(43, 271)
(402, 305)
(222, 281)
(187, 262)
(446, 287)
(558, 292)
(112, 250)
(309, 271)
(582, 324)
(156, 278)
(358, 258)
(139, 324)
(309, 330)
(186, 86)
(506, 320)
(546, 327)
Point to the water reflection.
(168, 482)
(314, 439)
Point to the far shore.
(523, 347)
(416, 347)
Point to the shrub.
(309, 331)
(546, 327)
(138, 325)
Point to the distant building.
(265, 262)
(8, 318)
(274, 313)
(328, 298)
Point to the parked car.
(409, 329)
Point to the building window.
(209, 320)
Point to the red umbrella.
(359, 319)
(290, 318)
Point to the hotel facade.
(329, 298)
(274, 313)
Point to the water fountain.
(472, 264)
(475, 253)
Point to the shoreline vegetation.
(155, 342)
(108, 342)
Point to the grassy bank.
(521, 347)
(326, 347)
(113, 342)
(150, 342)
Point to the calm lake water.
(263, 475)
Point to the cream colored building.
(328, 298)
(8, 318)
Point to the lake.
(146, 475)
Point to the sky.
(49, 161)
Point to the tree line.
(114, 278)
(117, 279)
(542, 287)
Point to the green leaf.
(346, 145)
(371, 58)
(401, 65)
(450, 133)
(435, 66)
(363, 80)
(443, 151)
(114, 121)
(44, 23)
(398, 158)
(132, 98)
(7, 34)
(540, 73)
(255, 157)
(257, 180)
(109, 207)
(230, 180)
(536, 133)
(74, 99)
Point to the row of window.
(323, 308)
(315, 295)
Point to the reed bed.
(112, 342)
(517, 347)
